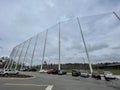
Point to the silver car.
(84, 74)
(108, 75)
(9, 72)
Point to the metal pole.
(116, 15)
(34, 50)
(10, 59)
(59, 49)
(44, 50)
(16, 55)
(13, 59)
(19, 56)
(84, 63)
(26, 53)
(87, 54)
(7, 62)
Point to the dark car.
(75, 73)
(55, 71)
(32, 69)
(62, 72)
(96, 75)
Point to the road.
(57, 82)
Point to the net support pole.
(18, 48)
(116, 15)
(15, 53)
(29, 41)
(20, 56)
(44, 50)
(7, 64)
(59, 58)
(86, 50)
(34, 51)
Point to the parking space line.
(49, 87)
(14, 84)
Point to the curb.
(18, 78)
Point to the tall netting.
(101, 33)
(63, 43)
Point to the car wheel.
(6, 74)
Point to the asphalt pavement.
(57, 82)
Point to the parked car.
(84, 74)
(1, 70)
(62, 72)
(108, 75)
(75, 72)
(32, 69)
(43, 71)
(96, 75)
(24, 69)
(9, 72)
(55, 71)
(50, 71)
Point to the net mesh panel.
(101, 34)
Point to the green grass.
(115, 72)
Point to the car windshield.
(107, 72)
(84, 72)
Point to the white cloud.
(19, 20)
(50, 3)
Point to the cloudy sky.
(22, 19)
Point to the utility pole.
(87, 54)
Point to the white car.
(9, 72)
(108, 75)
(43, 71)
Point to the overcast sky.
(22, 19)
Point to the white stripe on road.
(49, 87)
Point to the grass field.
(115, 72)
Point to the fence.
(92, 39)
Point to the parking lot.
(57, 82)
